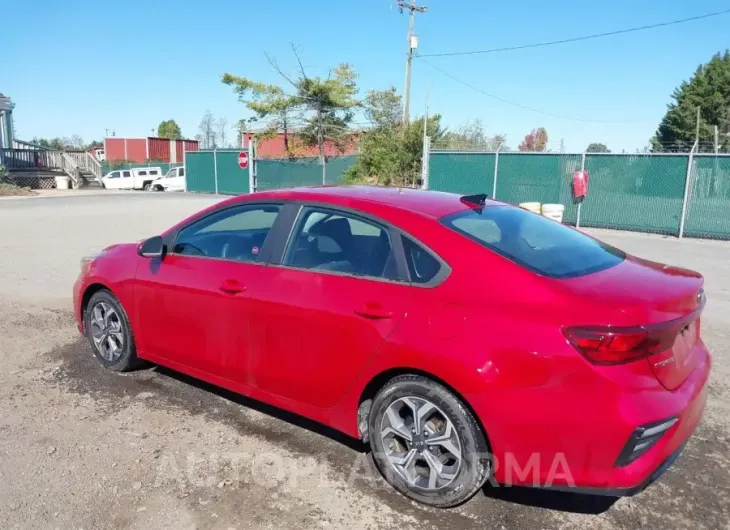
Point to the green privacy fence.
(643, 192)
(277, 174)
(216, 172)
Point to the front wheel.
(109, 333)
(426, 442)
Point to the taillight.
(610, 345)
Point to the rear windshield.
(535, 242)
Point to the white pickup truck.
(139, 178)
(174, 180)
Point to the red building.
(275, 147)
(150, 148)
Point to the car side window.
(236, 233)
(422, 266)
(114, 175)
(142, 173)
(331, 241)
(181, 172)
(126, 174)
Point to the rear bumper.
(577, 448)
(624, 492)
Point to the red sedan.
(464, 339)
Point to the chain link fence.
(218, 171)
(277, 174)
(677, 194)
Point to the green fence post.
(582, 168)
(252, 166)
(496, 168)
(687, 187)
(215, 168)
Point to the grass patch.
(11, 190)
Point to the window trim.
(301, 207)
(444, 269)
(170, 240)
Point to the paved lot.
(85, 448)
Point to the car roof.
(433, 204)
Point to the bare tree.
(221, 129)
(207, 131)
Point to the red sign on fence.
(243, 160)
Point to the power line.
(576, 39)
(525, 107)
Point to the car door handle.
(374, 312)
(231, 287)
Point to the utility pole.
(426, 146)
(412, 45)
(717, 142)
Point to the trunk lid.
(664, 300)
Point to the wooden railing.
(93, 165)
(30, 159)
(70, 167)
(20, 144)
(70, 163)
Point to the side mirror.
(151, 248)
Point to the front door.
(193, 306)
(327, 308)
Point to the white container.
(62, 183)
(553, 211)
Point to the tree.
(323, 108)
(169, 129)
(597, 148)
(206, 131)
(221, 131)
(267, 102)
(535, 141)
(76, 142)
(383, 107)
(708, 90)
(471, 136)
(390, 152)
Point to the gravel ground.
(81, 447)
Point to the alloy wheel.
(106, 330)
(421, 443)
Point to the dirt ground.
(81, 447)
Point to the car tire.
(147, 187)
(109, 333)
(451, 427)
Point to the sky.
(85, 67)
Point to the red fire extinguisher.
(580, 185)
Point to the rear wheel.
(427, 443)
(107, 328)
(147, 186)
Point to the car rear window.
(534, 242)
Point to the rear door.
(126, 182)
(193, 306)
(326, 304)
